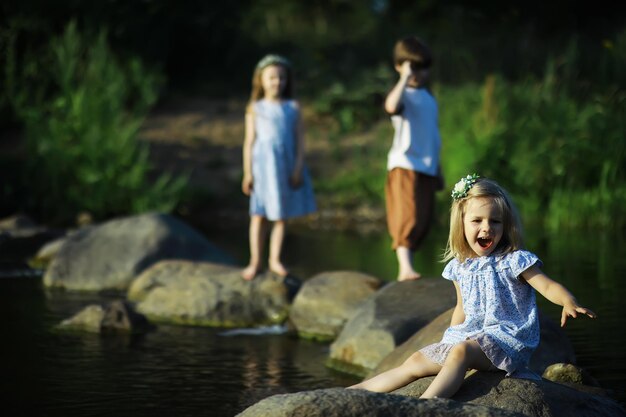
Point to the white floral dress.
(500, 311)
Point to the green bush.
(562, 158)
(554, 142)
(81, 133)
(355, 105)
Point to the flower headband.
(273, 59)
(462, 187)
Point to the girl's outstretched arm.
(556, 293)
(247, 182)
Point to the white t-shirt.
(416, 140)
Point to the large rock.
(326, 301)
(531, 398)
(206, 294)
(88, 319)
(339, 402)
(48, 251)
(425, 336)
(482, 394)
(21, 237)
(554, 345)
(120, 317)
(17, 223)
(111, 255)
(386, 320)
(567, 373)
(173, 273)
(117, 317)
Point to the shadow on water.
(189, 370)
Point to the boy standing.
(413, 171)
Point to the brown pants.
(410, 201)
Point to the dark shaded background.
(208, 49)
(214, 45)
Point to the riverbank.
(202, 139)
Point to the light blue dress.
(273, 159)
(500, 311)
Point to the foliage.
(81, 132)
(214, 45)
(355, 174)
(549, 133)
(355, 104)
(558, 149)
(563, 155)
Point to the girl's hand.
(572, 310)
(296, 179)
(246, 185)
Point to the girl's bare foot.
(409, 275)
(250, 272)
(278, 268)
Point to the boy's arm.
(555, 293)
(458, 315)
(392, 102)
(247, 182)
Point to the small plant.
(81, 135)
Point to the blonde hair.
(257, 92)
(512, 236)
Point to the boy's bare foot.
(278, 268)
(250, 272)
(406, 272)
(409, 275)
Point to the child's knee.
(459, 353)
(419, 365)
(415, 360)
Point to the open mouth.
(485, 242)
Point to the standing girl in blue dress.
(495, 323)
(274, 174)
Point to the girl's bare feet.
(250, 272)
(278, 268)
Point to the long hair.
(257, 92)
(512, 235)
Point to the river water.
(186, 371)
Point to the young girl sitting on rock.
(495, 322)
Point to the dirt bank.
(203, 138)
